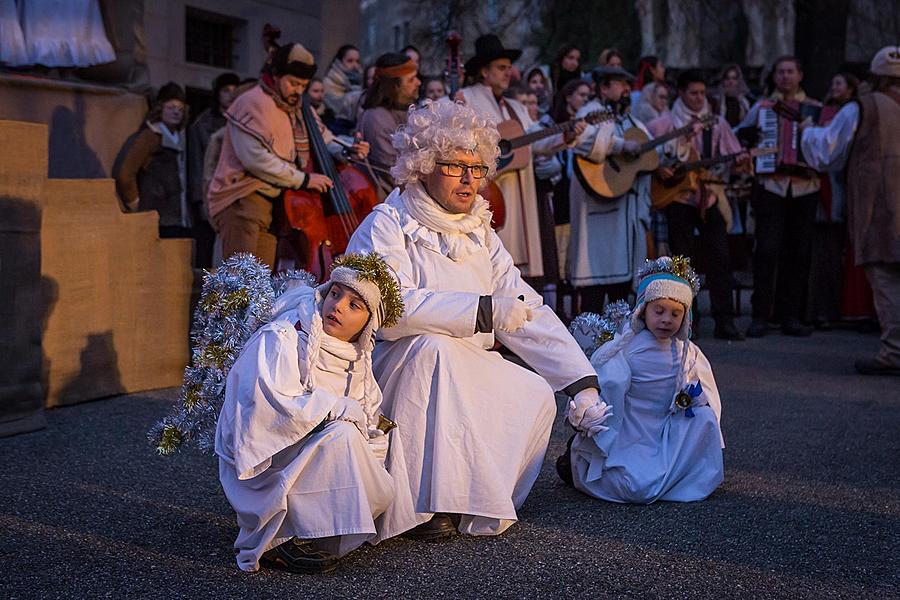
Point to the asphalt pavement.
(810, 507)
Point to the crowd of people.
(597, 204)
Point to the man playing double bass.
(264, 152)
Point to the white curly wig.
(435, 130)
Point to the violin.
(490, 191)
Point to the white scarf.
(454, 229)
(682, 115)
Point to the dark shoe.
(758, 328)
(725, 330)
(564, 464)
(795, 328)
(299, 556)
(822, 325)
(872, 366)
(440, 527)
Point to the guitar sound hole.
(505, 147)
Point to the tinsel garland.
(591, 330)
(236, 300)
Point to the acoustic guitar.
(616, 174)
(515, 144)
(687, 177)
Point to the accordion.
(779, 127)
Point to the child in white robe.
(301, 458)
(660, 437)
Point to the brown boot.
(440, 527)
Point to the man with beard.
(608, 241)
(265, 150)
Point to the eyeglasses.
(458, 170)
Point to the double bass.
(490, 191)
(316, 227)
(322, 223)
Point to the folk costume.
(521, 233)
(663, 440)
(299, 452)
(264, 152)
(609, 235)
(472, 427)
(706, 210)
(784, 208)
(862, 138)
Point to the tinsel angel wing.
(591, 330)
(236, 300)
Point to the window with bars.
(210, 38)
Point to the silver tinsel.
(591, 330)
(236, 300)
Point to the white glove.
(378, 444)
(510, 314)
(348, 409)
(594, 417)
(582, 401)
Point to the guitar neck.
(659, 141)
(530, 138)
(705, 163)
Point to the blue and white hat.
(666, 277)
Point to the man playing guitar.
(264, 151)
(491, 68)
(608, 238)
(705, 209)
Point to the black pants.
(206, 239)
(592, 295)
(711, 246)
(784, 229)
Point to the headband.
(407, 68)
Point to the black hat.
(225, 79)
(611, 73)
(171, 91)
(487, 48)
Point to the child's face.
(344, 314)
(663, 317)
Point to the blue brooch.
(685, 398)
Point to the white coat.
(608, 241)
(472, 427)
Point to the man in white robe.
(491, 67)
(472, 427)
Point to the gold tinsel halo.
(677, 265)
(372, 267)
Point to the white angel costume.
(663, 440)
(472, 427)
(288, 466)
(66, 33)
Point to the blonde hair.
(434, 131)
